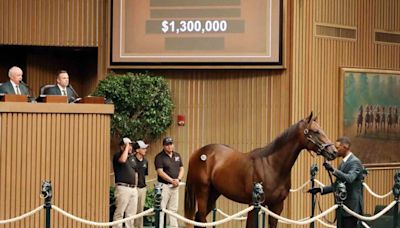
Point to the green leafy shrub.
(149, 203)
(143, 104)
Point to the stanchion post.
(214, 211)
(258, 196)
(157, 204)
(396, 194)
(47, 193)
(340, 195)
(263, 219)
(313, 173)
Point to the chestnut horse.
(218, 169)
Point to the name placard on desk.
(13, 98)
(52, 99)
(91, 100)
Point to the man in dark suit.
(62, 87)
(15, 85)
(350, 172)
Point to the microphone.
(76, 98)
(75, 93)
(30, 97)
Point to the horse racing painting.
(370, 114)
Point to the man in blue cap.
(170, 171)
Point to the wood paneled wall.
(316, 73)
(242, 108)
(312, 77)
(52, 142)
(50, 22)
(81, 67)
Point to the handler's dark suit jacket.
(7, 88)
(350, 172)
(55, 90)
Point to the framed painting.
(369, 114)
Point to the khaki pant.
(170, 201)
(141, 201)
(125, 202)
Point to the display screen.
(196, 32)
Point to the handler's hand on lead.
(314, 190)
(328, 167)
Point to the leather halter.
(321, 146)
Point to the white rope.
(299, 222)
(364, 224)
(370, 218)
(301, 187)
(21, 216)
(87, 222)
(377, 195)
(319, 220)
(319, 182)
(226, 215)
(326, 224)
(303, 219)
(240, 213)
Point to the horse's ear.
(316, 117)
(309, 118)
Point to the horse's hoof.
(203, 157)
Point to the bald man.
(14, 86)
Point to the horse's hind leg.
(212, 199)
(205, 203)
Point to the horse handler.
(170, 171)
(350, 173)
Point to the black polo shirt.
(170, 165)
(143, 171)
(125, 172)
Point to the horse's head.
(316, 140)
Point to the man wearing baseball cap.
(170, 171)
(140, 149)
(126, 194)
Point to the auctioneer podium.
(67, 144)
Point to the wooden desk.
(68, 144)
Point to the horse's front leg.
(277, 209)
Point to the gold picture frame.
(369, 114)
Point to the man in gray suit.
(350, 171)
(62, 88)
(15, 85)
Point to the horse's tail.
(190, 199)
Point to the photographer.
(350, 173)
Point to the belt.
(126, 185)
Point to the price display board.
(196, 32)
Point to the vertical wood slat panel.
(316, 65)
(221, 107)
(49, 22)
(36, 147)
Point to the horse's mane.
(277, 143)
